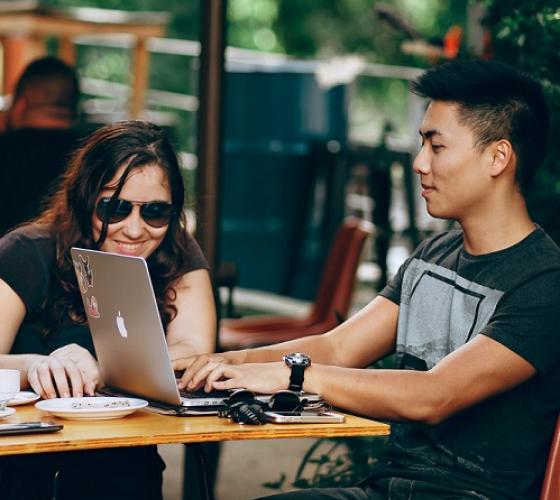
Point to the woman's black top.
(27, 260)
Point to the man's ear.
(502, 156)
(14, 118)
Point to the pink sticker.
(93, 307)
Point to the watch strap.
(296, 378)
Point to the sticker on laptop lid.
(93, 307)
(83, 273)
(81, 282)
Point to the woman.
(123, 193)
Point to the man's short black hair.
(54, 83)
(496, 101)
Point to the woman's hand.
(266, 378)
(68, 371)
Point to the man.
(39, 136)
(473, 315)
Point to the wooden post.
(19, 51)
(209, 140)
(140, 72)
(67, 50)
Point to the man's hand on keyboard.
(197, 368)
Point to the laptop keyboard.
(200, 394)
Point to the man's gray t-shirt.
(446, 296)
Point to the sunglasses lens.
(285, 401)
(120, 211)
(240, 396)
(157, 213)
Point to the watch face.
(297, 358)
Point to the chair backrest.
(339, 272)
(551, 483)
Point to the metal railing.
(110, 97)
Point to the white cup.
(9, 385)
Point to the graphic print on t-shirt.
(439, 312)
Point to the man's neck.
(47, 123)
(48, 117)
(498, 228)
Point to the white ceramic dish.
(91, 408)
(7, 412)
(23, 397)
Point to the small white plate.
(23, 397)
(7, 412)
(91, 408)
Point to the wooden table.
(145, 428)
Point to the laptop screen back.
(125, 324)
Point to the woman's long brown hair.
(135, 144)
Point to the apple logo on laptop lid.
(121, 326)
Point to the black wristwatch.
(298, 362)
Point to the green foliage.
(526, 33)
(104, 63)
(326, 28)
(376, 102)
(335, 462)
(250, 25)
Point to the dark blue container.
(273, 114)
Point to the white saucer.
(7, 412)
(23, 397)
(91, 408)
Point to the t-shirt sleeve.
(195, 257)
(392, 290)
(23, 266)
(527, 321)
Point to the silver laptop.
(127, 332)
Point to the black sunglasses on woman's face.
(155, 213)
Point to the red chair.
(551, 484)
(331, 303)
